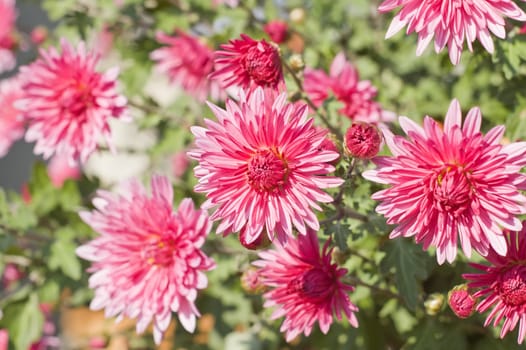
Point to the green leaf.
(62, 255)
(25, 322)
(340, 231)
(409, 263)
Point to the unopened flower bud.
(261, 241)
(363, 140)
(296, 63)
(434, 303)
(329, 144)
(461, 302)
(277, 31)
(251, 281)
(39, 35)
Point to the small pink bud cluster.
(363, 140)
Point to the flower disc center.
(452, 190)
(159, 251)
(262, 63)
(512, 286)
(315, 284)
(267, 171)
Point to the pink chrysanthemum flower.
(452, 22)
(503, 285)
(11, 120)
(305, 286)
(451, 183)
(148, 260)
(344, 82)
(68, 103)
(261, 167)
(248, 63)
(7, 28)
(188, 62)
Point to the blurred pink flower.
(39, 34)
(231, 3)
(188, 62)
(305, 286)
(4, 339)
(11, 275)
(7, 31)
(452, 22)
(248, 63)
(103, 43)
(147, 261)
(60, 169)
(502, 285)
(11, 119)
(344, 82)
(180, 163)
(68, 103)
(277, 31)
(261, 168)
(451, 183)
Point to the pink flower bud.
(363, 140)
(251, 281)
(461, 302)
(179, 164)
(277, 31)
(39, 35)
(60, 169)
(262, 241)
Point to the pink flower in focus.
(188, 62)
(461, 301)
(248, 63)
(363, 140)
(306, 286)
(4, 339)
(60, 169)
(502, 284)
(68, 104)
(11, 119)
(147, 261)
(451, 22)
(261, 168)
(277, 31)
(7, 29)
(452, 183)
(344, 82)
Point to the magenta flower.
(248, 63)
(344, 82)
(7, 29)
(11, 119)
(68, 103)
(452, 183)
(305, 286)
(503, 285)
(147, 261)
(261, 168)
(452, 22)
(277, 31)
(461, 302)
(188, 62)
(363, 140)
